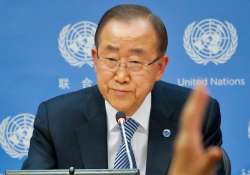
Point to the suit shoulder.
(174, 93)
(171, 90)
(72, 97)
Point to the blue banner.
(46, 51)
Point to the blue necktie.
(122, 159)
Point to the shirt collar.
(141, 115)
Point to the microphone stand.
(120, 118)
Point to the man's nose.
(122, 75)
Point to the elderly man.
(79, 129)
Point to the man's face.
(133, 41)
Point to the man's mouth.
(120, 92)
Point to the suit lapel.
(160, 148)
(92, 135)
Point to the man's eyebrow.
(111, 48)
(137, 51)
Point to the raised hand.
(190, 157)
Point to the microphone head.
(120, 117)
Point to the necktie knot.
(130, 126)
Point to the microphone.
(121, 118)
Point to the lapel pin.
(166, 133)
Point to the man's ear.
(163, 62)
(94, 56)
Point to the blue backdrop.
(45, 52)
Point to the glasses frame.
(118, 63)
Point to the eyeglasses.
(112, 64)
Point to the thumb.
(212, 157)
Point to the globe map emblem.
(16, 133)
(210, 40)
(76, 41)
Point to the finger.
(212, 157)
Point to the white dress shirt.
(140, 139)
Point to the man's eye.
(135, 62)
(111, 59)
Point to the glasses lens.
(134, 66)
(112, 65)
(108, 64)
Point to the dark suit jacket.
(71, 130)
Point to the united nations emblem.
(210, 40)
(245, 172)
(15, 134)
(76, 41)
